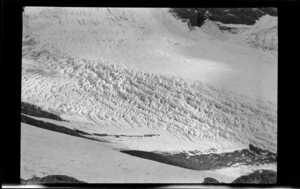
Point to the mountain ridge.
(247, 16)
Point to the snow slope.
(114, 96)
(141, 71)
(153, 40)
(262, 35)
(111, 97)
(94, 162)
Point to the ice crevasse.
(142, 70)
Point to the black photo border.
(288, 77)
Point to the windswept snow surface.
(88, 161)
(141, 71)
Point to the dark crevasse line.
(252, 156)
(162, 101)
(107, 135)
(56, 128)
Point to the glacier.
(141, 71)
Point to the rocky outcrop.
(36, 111)
(252, 156)
(248, 16)
(48, 126)
(209, 180)
(258, 177)
(51, 179)
(57, 128)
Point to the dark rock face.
(258, 177)
(36, 111)
(57, 128)
(51, 179)
(248, 16)
(209, 180)
(48, 126)
(239, 15)
(252, 156)
(255, 149)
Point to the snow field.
(115, 97)
(141, 71)
(95, 162)
(152, 40)
(92, 162)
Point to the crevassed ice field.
(142, 72)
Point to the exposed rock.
(248, 16)
(255, 149)
(209, 180)
(82, 132)
(106, 135)
(48, 126)
(258, 177)
(51, 179)
(56, 128)
(209, 161)
(36, 111)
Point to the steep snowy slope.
(142, 72)
(153, 40)
(121, 97)
(264, 34)
(94, 162)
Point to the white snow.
(117, 99)
(141, 71)
(153, 40)
(48, 153)
(210, 28)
